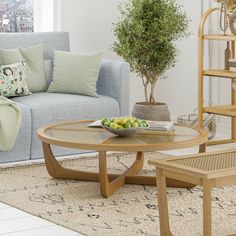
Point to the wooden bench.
(208, 170)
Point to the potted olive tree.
(145, 38)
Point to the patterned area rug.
(132, 210)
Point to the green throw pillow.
(13, 80)
(75, 73)
(35, 64)
(10, 56)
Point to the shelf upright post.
(233, 97)
(200, 65)
(200, 73)
(233, 119)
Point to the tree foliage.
(146, 35)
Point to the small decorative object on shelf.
(232, 64)
(234, 85)
(209, 122)
(232, 22)
(228, 55)
(227, 15)
(228, 5)
(224, 23)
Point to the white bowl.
(125, 132)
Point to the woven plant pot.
(147, 111)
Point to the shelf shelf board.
(223, 37)
(227, 110)
(217, 142)
(220, 73)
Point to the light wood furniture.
(207, 170)
(76, 134)
(227, 110)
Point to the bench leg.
(162, 204)
(206, 208)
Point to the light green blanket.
(10, 121)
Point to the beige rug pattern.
(132, 210)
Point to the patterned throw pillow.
(13, 80)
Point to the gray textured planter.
(157, 112)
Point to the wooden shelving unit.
(226, 110)
(220, 73)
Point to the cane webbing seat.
(209, 162)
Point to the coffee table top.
(76, 134)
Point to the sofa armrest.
(113, 81)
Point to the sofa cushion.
(21, 149)
(75, 73)
(35, 66)
(47, 108)
(13, 80)
(36, 75)
(10, 56)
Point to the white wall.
(90, 25)
(43, 17)
(180, 89)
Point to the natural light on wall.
(43, 15)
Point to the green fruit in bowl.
(104, 121)
(127, 125)
(113, 125)
(127, 122)
(120, 127)
(135, 125)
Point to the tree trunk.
(152, 93)
(145, 84)
(146, 92)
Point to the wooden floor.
(14, 222)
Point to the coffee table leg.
(109, 182)
(108, 187)
(162, 204)
(57, 171)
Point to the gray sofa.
(43, 108)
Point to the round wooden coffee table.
(76, 134)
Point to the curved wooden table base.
(109, 183)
